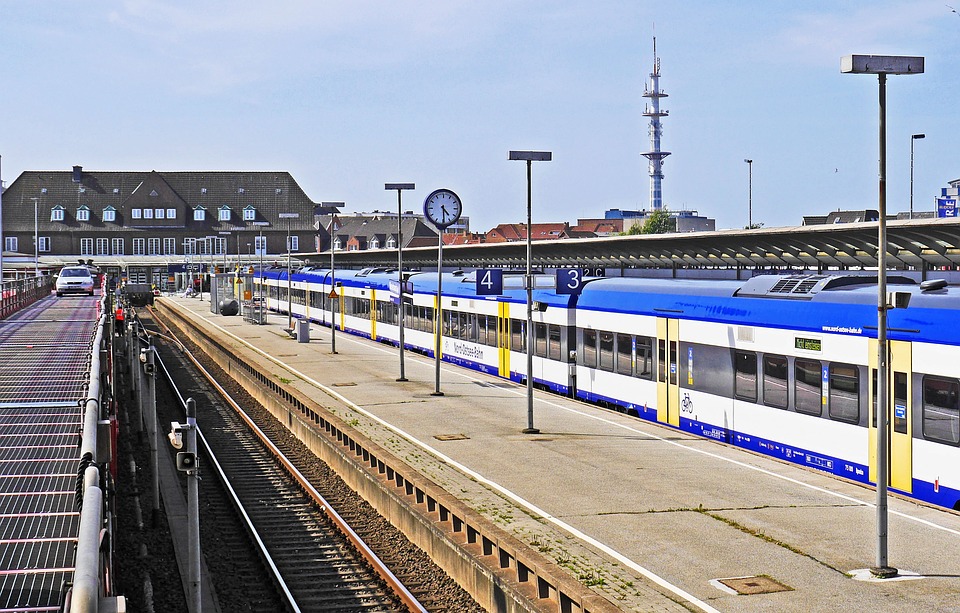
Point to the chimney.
(77, 174)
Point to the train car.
(780, 365)
(784, 366)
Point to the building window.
(117, 245)
(138, 246)
(391, 243)
(83, 213)
(109, 214)
(224, 214)
(86, 246)
(169, 246)
(294, 244)
(260, 245)
(153, 246)
(171, 213)
(56, 214)
(199, 214)
(135, 214)
(337, 245)
(375, 243)
(103, 246)
(249, 213)
(158, 214)
(10, 243)
(148, 213)
(43, 244)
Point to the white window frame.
(374, 243)
(158, 214)
(171, 213)
(224, 213)
(148, 213)
(86, 246)
(169, 246)
(103, 246)
(43, 245)
(153, 246)
(199, 214)
(293, 243)
(249, 213)
(260, 245)
(10, 243)
(116, 245)
(138, 246)
(109, 214)
(83, 213)
(134, 213)
(56, 213)
(391, 243)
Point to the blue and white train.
(780, 365)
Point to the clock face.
(442, 208)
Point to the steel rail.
(368, 554)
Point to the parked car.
(75, 280)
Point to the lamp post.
(529, 157)
(913, 139)
(749, 194)
(882, 65)
(333, 277)
(400, 307)
(289, 216)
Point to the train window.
(806, 386)
(492, 330)
(518, 340)
(941, 409)
(661, 360)
(745, 381)
(540, 339)
(588, 352)
(674, 366)
(644, 357)
(844, 393)
(554, 346)
(775, 381)
(624, 354)
(900, 402)
(606, 350)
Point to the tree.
(657, 222)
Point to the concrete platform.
(651, 517)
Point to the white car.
(75, 280)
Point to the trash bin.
(302, 328)
(229, 307)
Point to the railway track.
(307, 562)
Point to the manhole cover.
(451, 437)
(348, 384)
(760, 584)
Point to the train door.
(372, 310)
(503, 339)
(900, 394)
(668, 376)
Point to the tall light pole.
(750, 194)
(288, 217)
(882, 65)
(333, 277)
(36, 235)
(529, 157)
(400, 307)
(913, 139)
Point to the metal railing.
(21, 293)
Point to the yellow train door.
(900, 412)
(668, 376)
(503, 339)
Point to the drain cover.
(348, 384)
(451, 437)
(760, 584)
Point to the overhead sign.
(569, 280)
(289, 215)
(489, 282)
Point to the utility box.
(138, 294)
(302, 328)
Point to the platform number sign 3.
(489, 282)
(569, 280)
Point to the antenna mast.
(652, 110)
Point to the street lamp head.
(881, 64)
(748, 161)
(918, 136)
(389, 186)
(535, 156)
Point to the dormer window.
(391, 243)
(83, 213)
(56, 213)
(224, 214)
(199, 214)
(249, 213)
(109, 214)
(337, 244)
(375, 243)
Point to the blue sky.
(350, 95)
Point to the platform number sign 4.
(489, 282)
(569, 280)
